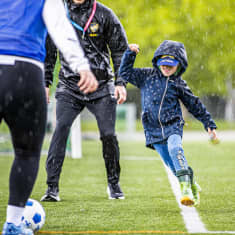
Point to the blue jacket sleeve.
(132, 75)
(195, 106)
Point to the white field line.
(190, 215)
(221, 232)
(191, 218)
(140, 158)
(131, 158)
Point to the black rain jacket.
(104, 37)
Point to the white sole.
(50, 198)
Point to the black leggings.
(24, 109)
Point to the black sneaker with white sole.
(52, 194)
(114, 191)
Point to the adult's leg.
(25, 111)
(66, 112)
(104, 110)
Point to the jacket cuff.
(212, 126)
(120, 82)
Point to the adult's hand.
(87, 82)
(120, 94)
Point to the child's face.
(168, 70)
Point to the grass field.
(150, 205)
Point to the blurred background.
(207, 29)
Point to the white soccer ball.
(34, 215)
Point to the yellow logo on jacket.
(94, 27)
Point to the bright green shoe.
(196, 189)
(187, 198)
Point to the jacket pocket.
(148, 121)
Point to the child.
(161, 89)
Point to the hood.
(172, 48)
(84, 7)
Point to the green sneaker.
(187, 198)
(196, 189)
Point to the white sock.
(14, 214)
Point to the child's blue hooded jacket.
(160, 96)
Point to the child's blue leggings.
(172, 153)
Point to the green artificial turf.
(150, 204)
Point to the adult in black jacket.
(101, 35)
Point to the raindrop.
(20, 79)
(29, 179)
(19, 170)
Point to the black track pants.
(67, 109)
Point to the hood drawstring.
(77, 26)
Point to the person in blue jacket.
(23, 106)
(162, 89)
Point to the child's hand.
(134, 47)
(213, 136)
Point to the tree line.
(206, 27)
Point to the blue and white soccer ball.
(34, 215)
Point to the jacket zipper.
(159, 112)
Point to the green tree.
(206, 27)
